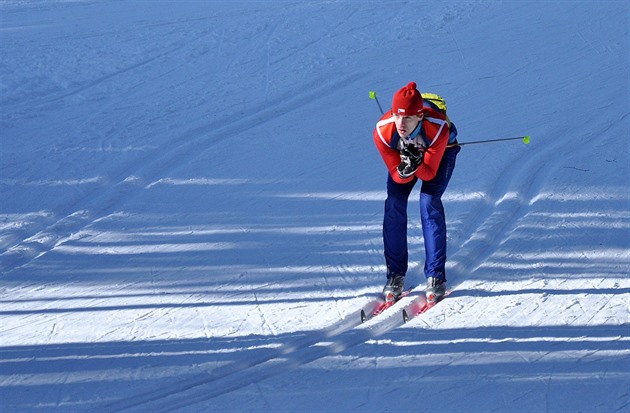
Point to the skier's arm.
(391, 157)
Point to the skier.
(412, 138)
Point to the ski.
(378, 306)
(419, 306)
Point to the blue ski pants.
(431, 216)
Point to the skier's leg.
(395, 226)
(433, 217)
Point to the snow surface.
(191, 207)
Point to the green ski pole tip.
(526, 139)
(372, 94)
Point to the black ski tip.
(363, 316)
(405, 316)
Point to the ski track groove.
(195, 388)
(493, 224)
(201, 387)
(97, 204)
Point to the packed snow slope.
(191, 207)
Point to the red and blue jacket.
(432, 133)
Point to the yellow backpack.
(437, 101)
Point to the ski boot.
(436, 288)
(394, 287)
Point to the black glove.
(410, 159)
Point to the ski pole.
(373, 96)
(525, 139)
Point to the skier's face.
(406, 124)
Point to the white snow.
(191, 207)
